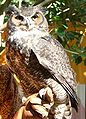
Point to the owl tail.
(72, 95)
(70, 92)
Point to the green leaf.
(65, 26)
(27, 0)
(78, 60)
(74, 46)
(1, 1)
(15, 1)
(56, 18)
(74, 56)
(60, 31)
(83, 55)
(83, 49)
(70, 35)
(5, 19)
(1, 48)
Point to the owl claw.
(42, 93)
(24, 99)
(47, 93)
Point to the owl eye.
(19, 17)
(35, 16)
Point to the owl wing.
(53, 57)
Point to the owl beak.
(25, 22)
(29, 23)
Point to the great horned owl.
(40, 60)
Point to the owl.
(40, 61)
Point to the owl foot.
(47, 93)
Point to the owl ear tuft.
(12, 9)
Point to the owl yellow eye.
(35, 16)
(19, 17)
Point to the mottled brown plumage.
(30, 80)
(9, 96)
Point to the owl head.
(16, 19)
(35, 16)
(27, 18)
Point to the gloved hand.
(36, 106)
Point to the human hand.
(35, 107)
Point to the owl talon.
(47, 93)
(42, 93)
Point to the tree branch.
(3, 27)
(44, 2)
(4, 6)
(71, 51)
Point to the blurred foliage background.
(67, 23)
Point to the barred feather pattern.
(62, 105)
